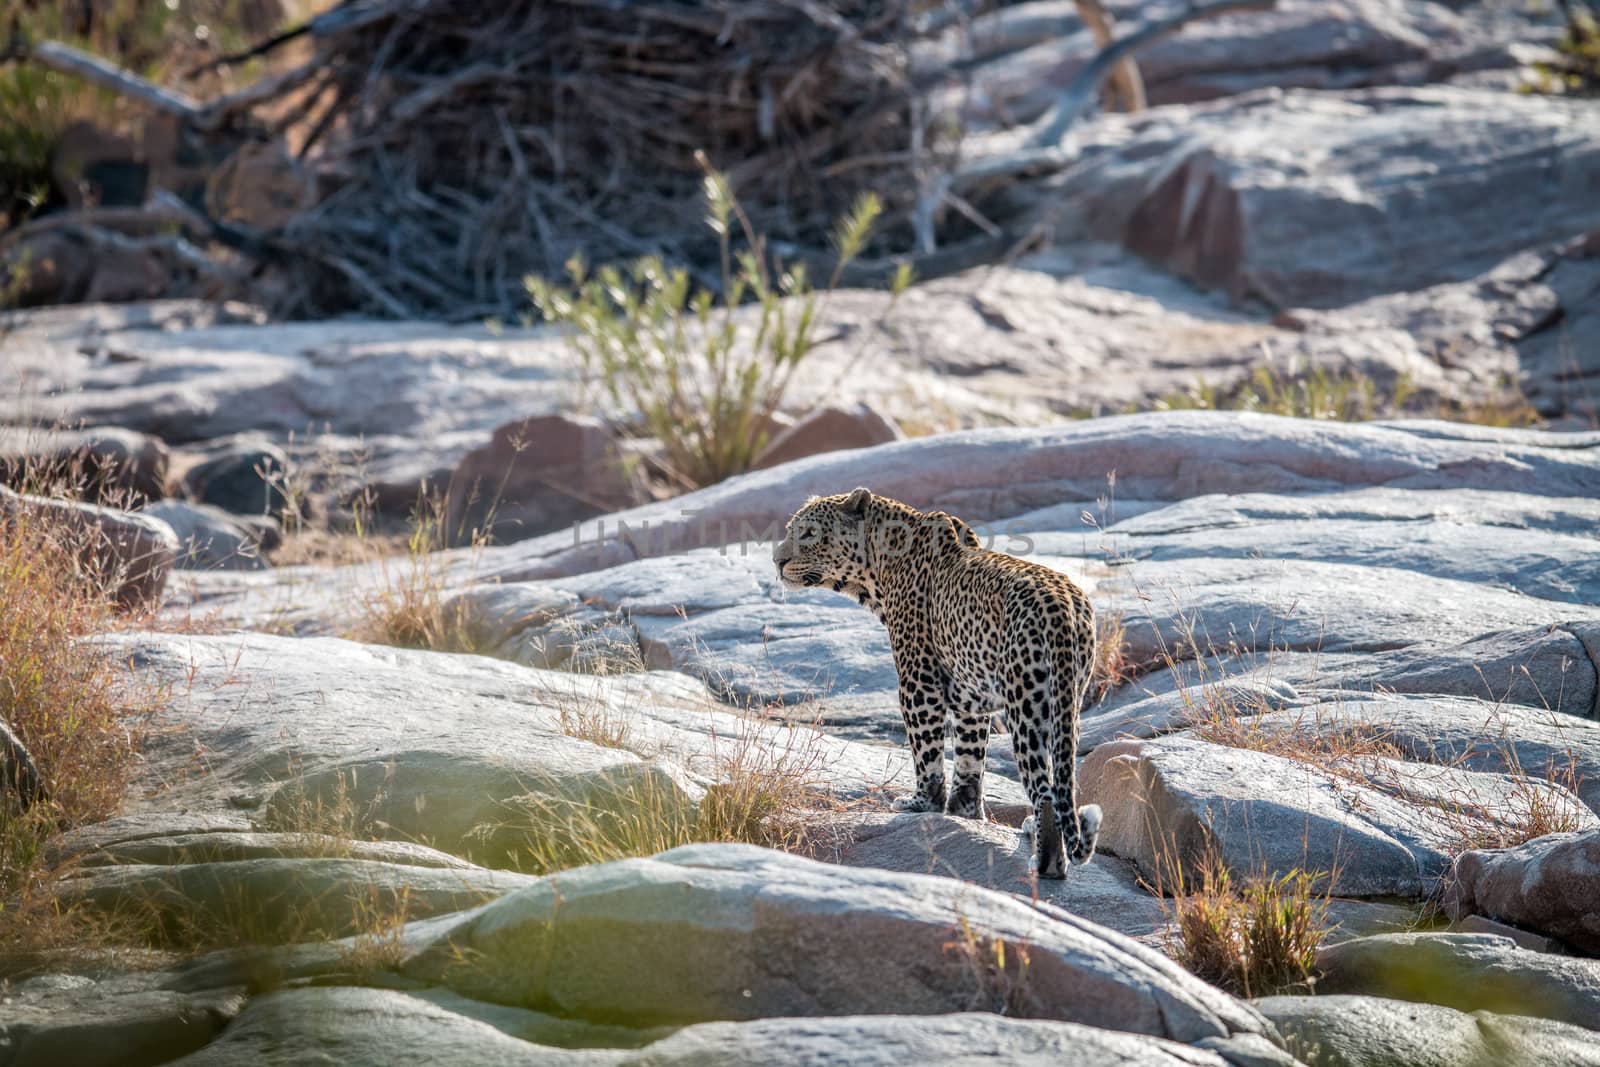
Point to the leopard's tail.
(1080, 827)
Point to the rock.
(536, 475)
(244, 476)
(728, 932)
(274, 901)
(1036, 49)
(1479, 735)
(451, 749)
(213, 539)
(229, 846)
(260, 186)
(1381, 827)
(1546, 885)
(53, 267)
(134, 554)
(1105, 891)
(829, 429)
(1468, 972)
(891, 1040)
(1156, 457)
(1354, 1031)
(989, 855)
(106, 464)
(1364, 208)
(362, 1028)
(55, 1019)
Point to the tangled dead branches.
(464, 145)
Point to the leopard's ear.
(856, 503)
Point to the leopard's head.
(825, 543)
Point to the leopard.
(974, 632)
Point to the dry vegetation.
(1253, 939)
(74, 707)
(1348, 396)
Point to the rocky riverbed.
(1368, 651)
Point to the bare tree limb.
(1070, 104)
(93, 69)
(1126, 84)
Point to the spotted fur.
(973, 632)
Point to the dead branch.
(97, 71)
(1126, 84)
(1070, 104)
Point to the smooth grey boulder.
(730, 932)
(271, 901)
(1321, 199)
(1468, 972)
(454, 750)
(366, 1028)
(213, 539)
(57, 1019)
(1356, 1031)
(1546, 885)
(1376, 826)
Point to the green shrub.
(700, 378)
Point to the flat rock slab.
(431, 747)
(1356, 1031)
(1380, 827)
(1476, 734)
(1468, 972)
(1547, 885)
(1377, 199)
(725, 932)
(64, 1018)
(1105, 890)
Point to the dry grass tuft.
(998, 971)
(1254, 939)
(1112, 666)
(408, 609)
(755, 797)
(1216, 716)
(72, 705)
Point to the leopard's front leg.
(922, 689)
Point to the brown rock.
(829, 429)
(1547, 885)
(260, 186)
(132, 552)
(536, 475)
